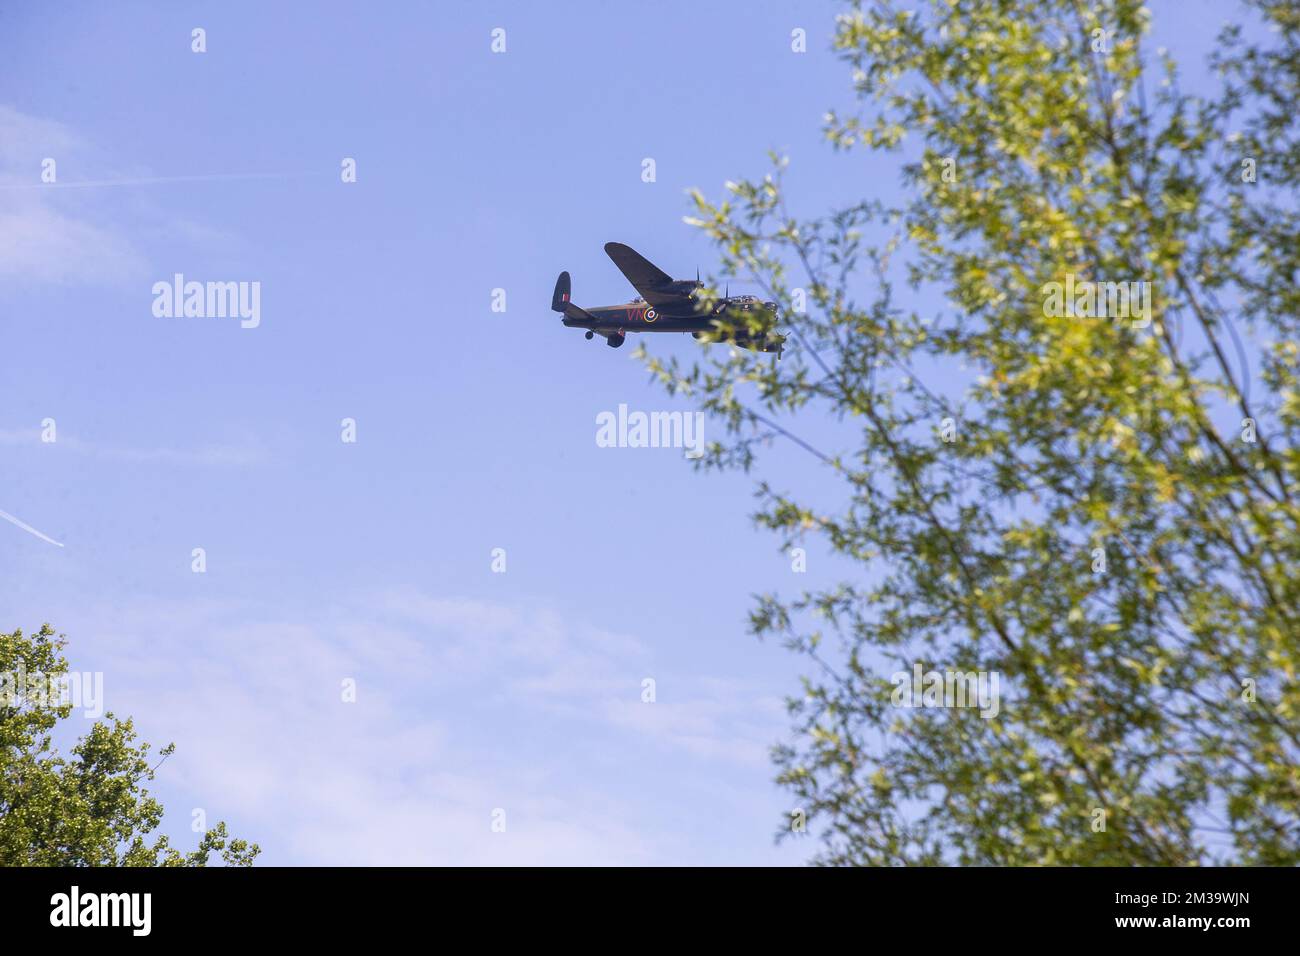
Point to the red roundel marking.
(651, 315)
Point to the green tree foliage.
(1149, 709)
(90, 809)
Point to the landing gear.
(590, 335)
(614, 341)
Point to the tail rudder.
(560, 298)
(562, 303)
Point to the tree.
(90, 809)
(1100, 510)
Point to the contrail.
(157, 180)
(28, 528)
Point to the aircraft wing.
(654, 285)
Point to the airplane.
(666, 304)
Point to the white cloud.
(40, 241)
(38, 244)
(462, 707)
(29, 139)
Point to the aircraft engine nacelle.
(684, 287)
(762, 342)
(767, 343)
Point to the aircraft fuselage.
(641, 317)
(669, 305)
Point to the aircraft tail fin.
(561, 297)
(562, 302)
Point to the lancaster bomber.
(666, 304)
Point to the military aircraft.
(666, 304)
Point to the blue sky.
(476, 429)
